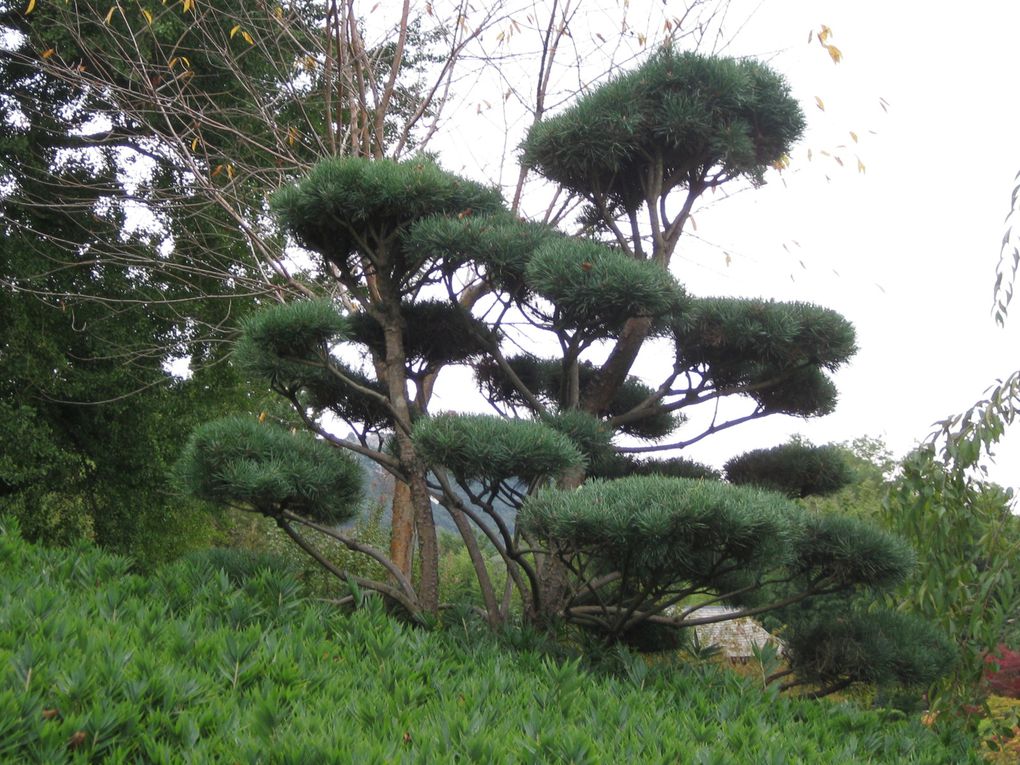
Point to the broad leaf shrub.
(1002, 672)
(101, 666)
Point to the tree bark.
(402, 526)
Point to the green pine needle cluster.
(690, 113)
(492, 448)
(240, 462)
(797, 469)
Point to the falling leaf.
(824, 34)
(884, 104)
(234, 30)
(853, 135)
(880, 287)
(860, 166)
(230, 171)
(292, 135)
(109, 15)
(148, 17)
(189, 5)
(262, 417)
(586, 266)
(248, 38)
(601, 38)
(217, 170)
(820, 103)
(728, 259)
(641, 40)
(810, 36)
(834, 53)
(30, 7)
(278, 12)
(809, 155)
(802, 264)
(48, 52)
(194, 144)
(838, 161)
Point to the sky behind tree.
(901, 233)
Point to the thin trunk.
(420, 500)
(402, 528)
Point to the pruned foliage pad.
(692, 113)
(263, 467)
(348, 205)
(796, 469)
(491, 448)
(662, 530)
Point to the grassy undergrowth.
(190, 666)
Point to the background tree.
(967, 537)
(440, 273)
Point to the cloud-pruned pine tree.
(434, 271)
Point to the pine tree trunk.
(402, 527)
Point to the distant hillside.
(379, 491)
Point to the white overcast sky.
(907, 249)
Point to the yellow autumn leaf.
(278, 12)
(292, 135)
(48, 52)
(30, 7)
(217, 170)
(109, 15)
(234, 30)
(230, 171)
(188, 5)
(824, 34)
(860, 166)
(834, 53)
(247, 37)
(853, 135)
(148, 17)
(820, 103)
(194, 144)
(262, 417)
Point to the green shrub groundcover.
(190, 665)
